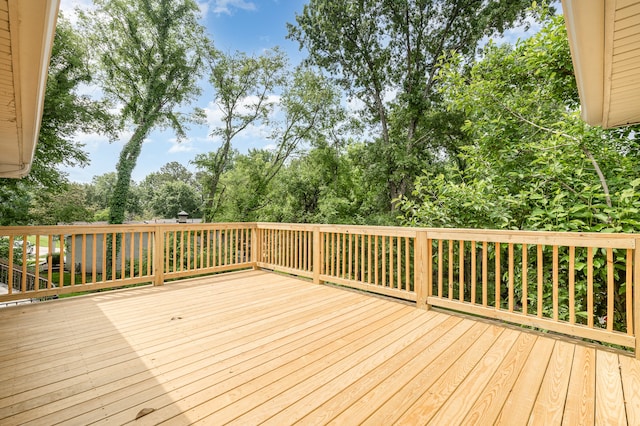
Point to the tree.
(244, 86)
(100, 192)
(151, 189)
(533, 163)
(149, 55)
(65, 113)
(387, 53)
(174, 196)
(66, 207)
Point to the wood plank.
(523, 395)
(386, 404)
(432, 397)
(610, 407)
(208, 395)
(459, 403)
(492, 398)
(630, 373)
(579, 408)
(131, 390)
(336, 358)
(374, 389)
(220, 337)
(548, 408)
(281, 408)
(253, 346)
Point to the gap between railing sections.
(580, 284)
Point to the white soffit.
(27, 29)
(604, 36)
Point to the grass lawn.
(43, 241)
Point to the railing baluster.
(610, 290)
(474, 272)
(369, 259)
(525, 280)
(72, 264)
(485, 274)
(590, 287)
(399, 265)
(540, 280)
(555, 283)
(461, 271)
(511, 277)
(572, 285)
(629, 287)
(391, 249)
(450, 282)
(407, 267)
(440, 268)
(350, 268)
(23, 280)
(343, 255)
(37, 254)
(498, 277)
(384, 261)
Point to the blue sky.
(245, 25)
(249, 26)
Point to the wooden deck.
(254, 347)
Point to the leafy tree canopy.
(149, 55)
(533, 163)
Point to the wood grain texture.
(254, 346)
(609, 393)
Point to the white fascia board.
(585, 23)
(33, 25)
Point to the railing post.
(158, 256)
(422, 269)
(636, 296)
(317, 255)
(256, 246)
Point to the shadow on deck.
(252, 347)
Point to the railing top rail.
(105, 228)
(577, 239)
(346, 229)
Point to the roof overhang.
(604, 37)
(27, 30)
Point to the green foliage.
(172, 197)
(149, 55)
(533, 164)
(4, 251)
(49, 210)
(65, 112)
(244, 86)
(386, 54)
(172, 189)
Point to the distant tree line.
(448, 129)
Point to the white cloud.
(204, 7)
(225, 6)
(184, 146)
(69, 8)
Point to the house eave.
(27, 30)
(604, 38)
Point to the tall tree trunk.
(118, 204)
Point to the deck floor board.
(254, 346)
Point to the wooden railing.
(580, 284)
(109, 256)
(17, 276)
